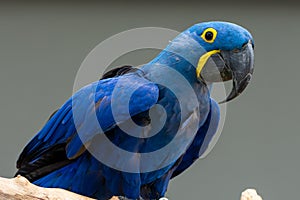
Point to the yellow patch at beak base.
(203, 59)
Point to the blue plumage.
(118, 108)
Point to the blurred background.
(43, 44)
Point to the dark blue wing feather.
(61, 127)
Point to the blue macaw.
(62, 154)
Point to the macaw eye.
(209, 35)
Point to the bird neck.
(182, 54)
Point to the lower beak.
(241, 64)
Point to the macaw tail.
(82, 176)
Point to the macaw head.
(228, 45)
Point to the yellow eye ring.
(209, 35)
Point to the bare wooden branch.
(20, 188)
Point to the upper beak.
(241, 64)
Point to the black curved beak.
(240, 63)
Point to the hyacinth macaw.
(59, 157)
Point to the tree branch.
(20, 188)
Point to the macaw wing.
(89, 111)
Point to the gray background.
(42, 46)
